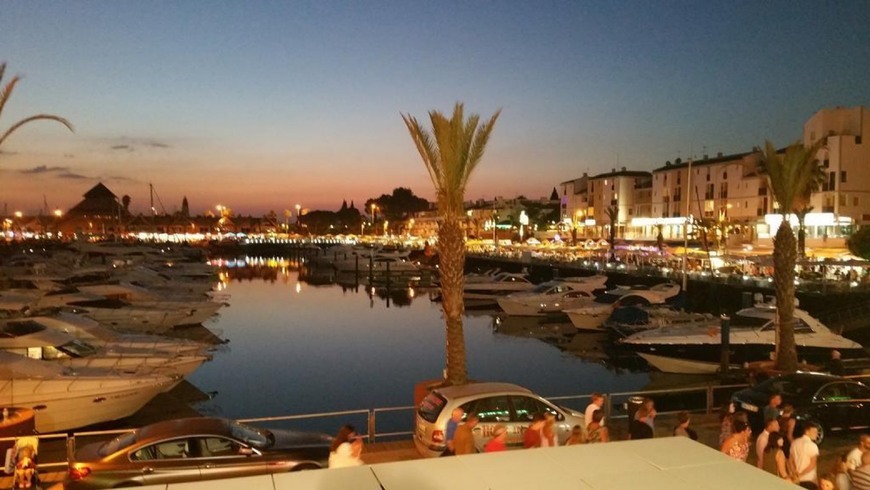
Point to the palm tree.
(4, 97)
(451, 151)
(613, 215)
(793, 177)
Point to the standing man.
(450, 431)
(861, 475)
(804, 456)
(771, 426)
(853, 459)
(771, 411)
(597, 403)
(463, 438)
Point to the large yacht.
(65, 398)
(696, 348)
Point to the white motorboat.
(696, 349)
(30, 338)
(92, 332)
(628, 320)
(552, 296)
(593, 317)
(501, 284)
(65, 399)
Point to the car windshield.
(787, 387)
(258, 438)
(431, 407)
(122, 441)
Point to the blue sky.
(261, 105)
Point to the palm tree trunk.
(452, 264)
(784, 257)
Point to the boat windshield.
(77, 348)
(542, 288)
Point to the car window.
(525, 408)
(118, 443)
(858, 392)
(174, 449)
(431, 407)
(493, 409)
(832, 393)
(218, 446)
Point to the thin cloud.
(121, 147)
(71, 175)
(157, 144)
(43, 169)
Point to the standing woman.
(548, 431)
(737, 444)
(646, 413)
(595, 432)
(726, 418)
(346, 448)
(774, 457)
(786, 427)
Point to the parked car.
(495, 403)
(834, 402)
(193, 449)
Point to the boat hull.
(69, 403)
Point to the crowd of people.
(782, 450)
(778, 449)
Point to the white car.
(495, 403)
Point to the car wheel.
(821, 436)
(305, 466)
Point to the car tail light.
(437, 436)
(78, 472)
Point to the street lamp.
(298, 208)
(374, 217)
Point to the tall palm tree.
(793, 177)
(4, 97)
(451, 151)
(613, 215)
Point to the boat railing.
(615, 408)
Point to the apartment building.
(844, 200)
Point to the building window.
(832, 181)
(678, 178)
(842, 200)
(826, 163)
(855, 202)
(858, 140)
(762, 191)
(842, 176)
(708, 175)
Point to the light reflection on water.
(298, 347)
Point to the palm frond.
(7, 91)
(38, 117)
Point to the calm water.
(297, 347)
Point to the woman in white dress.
(346, 448)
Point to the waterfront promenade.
(706, 425)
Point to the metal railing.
(372, 416)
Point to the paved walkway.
(707, 427)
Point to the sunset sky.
(262, 105)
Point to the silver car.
(495, 403)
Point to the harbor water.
(305, 343)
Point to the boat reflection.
(594, 347)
